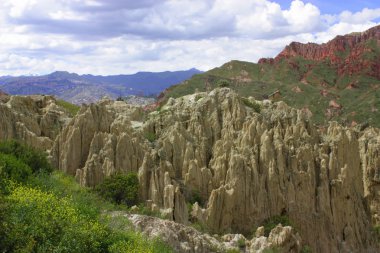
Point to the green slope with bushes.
(45, 211)
(299, 85)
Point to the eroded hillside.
(244, 161)
(35, 120)
(338, 80)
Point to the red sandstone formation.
(350, 54)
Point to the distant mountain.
(89, 88)
(338, 80)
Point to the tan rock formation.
(35, 120)
(243, 167)
(370, 156)
(188, 240)
(99, 142)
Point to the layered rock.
(242, 167)
(35, 120)
(349, 54)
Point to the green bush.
(272, 222)
(254, 105)
(150, 136)
(306, 249)
(120, 189)
(35, 159)
(223, 83)
(36, 221)
(13, 169)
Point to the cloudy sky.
(126, 36)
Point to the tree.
(120, 188)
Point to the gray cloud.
(115, 36)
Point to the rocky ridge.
(243, 160)
(348, 53)
(35, 120)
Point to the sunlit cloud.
(118, 36)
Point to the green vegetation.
(376, 230)
(120, 188)
(36, 160)
(241, 243)
(43, 211)
(70, 108)
(306, 249)
(223, 83)
(311, 77)
(196, 197)
(254, 105)
(272, 222)
(150, 136)
(13, 169)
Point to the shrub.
(241, 243)
(272, 222)
(196, 197)
(223, 83)
(37, 221)
(35, 159)
(254, 105)
(150, 136)
(306, 249)
(13, 169)
(120, 189)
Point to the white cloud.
(360, 17)
(125, 36)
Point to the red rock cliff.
(351, 54)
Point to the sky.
(106, 37)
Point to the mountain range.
(338, 80)
(79, 89)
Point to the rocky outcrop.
(355, 53)
(35, 120)
(100, 141)
(242, 167)
(370, 156)
(188, 240)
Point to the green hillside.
(302, 84)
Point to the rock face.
(188, 240)
(350, 54)
(370, 155)
(100, 141)
(36, 120)
(241, 166)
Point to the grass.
(70, 108)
